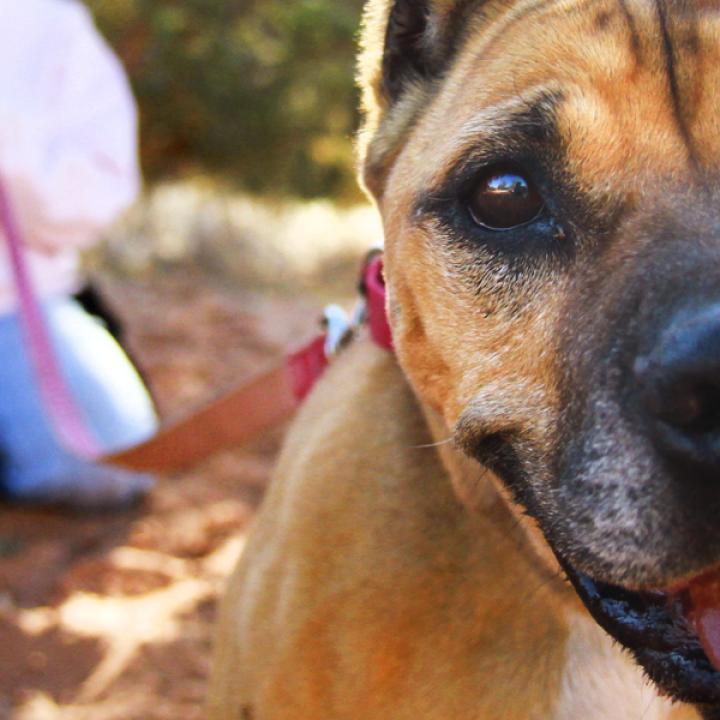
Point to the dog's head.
(547, 173)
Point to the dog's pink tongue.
(704, 613)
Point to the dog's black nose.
(680, 388)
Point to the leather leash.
(229, 421)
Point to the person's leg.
(104, 382)
(34, 468)
(92, 301)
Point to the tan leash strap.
(227, 422)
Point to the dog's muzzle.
(673, 632)
(663, 631)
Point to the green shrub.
(257, 93)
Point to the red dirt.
(110, 617)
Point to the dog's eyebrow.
(502, 132)
(534, 111)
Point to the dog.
(509, 517)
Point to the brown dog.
(546, 175)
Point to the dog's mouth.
(674, 635)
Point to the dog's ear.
(407, 50)
(407, 45)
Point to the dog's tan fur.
(414, 609)
(386, 579)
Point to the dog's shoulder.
(361, 549)
(356, 453)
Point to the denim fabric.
(117, 407)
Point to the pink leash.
(65, 416)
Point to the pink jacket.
(68, 137)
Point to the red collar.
(377, 319)
(308, 364)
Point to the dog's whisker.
(552, 576)
(648, 703)
(432, 445)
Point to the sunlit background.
(258, 94)
(251, 219)
(248, 113)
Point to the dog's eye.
(503, 198)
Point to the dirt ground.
(110, 617)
